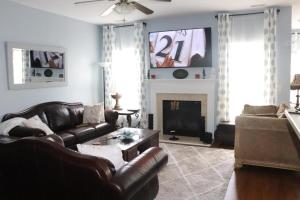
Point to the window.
(246, 63)
(125, 72)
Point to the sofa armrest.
(111, 117)
(131, 178)
(20, 131)
(55, 138)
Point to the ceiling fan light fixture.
(124, 8)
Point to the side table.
(128, 114)
(225, 134)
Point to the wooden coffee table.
(141, 140)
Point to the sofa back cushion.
(259, 110)
(76, 114)
(58, 117)
(28, 113)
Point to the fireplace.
(183, 117)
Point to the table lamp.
(295, 85)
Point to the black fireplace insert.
(183, 117)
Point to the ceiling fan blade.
(108, 10)
(142, 8)
(91, 1)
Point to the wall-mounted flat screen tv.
(46, 59)
(180, 48)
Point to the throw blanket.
(33, 122)
(8, 125)
(112, 153)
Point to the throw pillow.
(36, 122)
(281, 109)
(93, 114)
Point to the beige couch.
(264, 139)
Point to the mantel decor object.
(116, 97)
(180, 74)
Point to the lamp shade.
(295, 85)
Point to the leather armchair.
(41, 168)
(263, 139)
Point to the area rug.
(195, 173)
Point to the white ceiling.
(91, 12)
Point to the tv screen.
(46, 59)
(181, 48)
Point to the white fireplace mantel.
(184, 86)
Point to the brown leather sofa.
(64, 119)
(39, 169)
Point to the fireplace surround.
(182, 90)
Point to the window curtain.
(26, 67)
(124, 59)
(108, 46)
(246, 61)
(139, 39)
(224, 27)
(270, 20)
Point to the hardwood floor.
(258, 183)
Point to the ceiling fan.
(123, 6)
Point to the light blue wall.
(284, 31)
(82, 41)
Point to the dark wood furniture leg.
(129, 120)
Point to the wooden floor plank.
(258, 183)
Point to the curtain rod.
(125, 25)
(295, 33)
(254, 13)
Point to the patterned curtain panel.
(270, 20)
(224, 28)
(108, 45)
(139, 40)
(25, 66)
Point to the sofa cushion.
(256, 110)
(82, 133)
(102, 128)
(58, 117)
(68, 138)
(76, 114)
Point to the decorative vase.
(116, 97)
